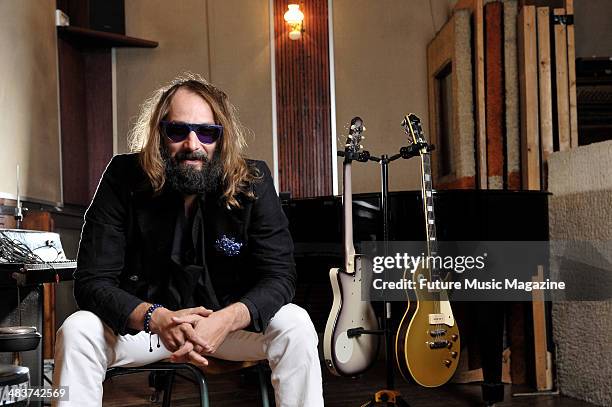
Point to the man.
(185, 254)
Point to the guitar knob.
(454, 337)
(447, 362)
(454, 354)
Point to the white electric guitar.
(348, 352)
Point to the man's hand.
(188, 353)
(211, 332)
(173, 334)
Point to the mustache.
(191, 155)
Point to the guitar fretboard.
(347, 202)
(428, 203)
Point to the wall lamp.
(294, 17)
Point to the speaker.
(100, 15)
(107, 15)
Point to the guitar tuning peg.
(363, 137)
(364, 128)
(350, 136)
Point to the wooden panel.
(87, 119)
(479, 82)
(511, 83)
(73, 124)
(439, 56)
(542, 370)
(481, 136)
(495, 94)
(7, 220)
(303, 102)
(476, 375)
(571, 72)
(544, 81)
(518, 337)
(99, 102)
(561, 75)
(528, 78)
(451, 47)
(92, 38)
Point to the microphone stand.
(18, 212)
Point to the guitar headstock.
(414, 130)
(353, 141)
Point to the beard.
(190, 180)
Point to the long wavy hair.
(146, 138)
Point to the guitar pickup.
(437, 332)
(436, 319)
(438, 344)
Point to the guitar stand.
(388, 397)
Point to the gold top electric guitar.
(427, 344)
(346, 352)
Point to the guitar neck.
(428, 204)
(347, 203)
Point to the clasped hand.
(189, 333)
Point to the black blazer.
(126, 242)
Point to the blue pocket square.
(228, 246)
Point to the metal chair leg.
(263, 386)
(201, 381)
(171, 369)
(168, 389)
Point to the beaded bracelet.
(147, 322)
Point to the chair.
(216, 366)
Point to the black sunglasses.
(177, 132)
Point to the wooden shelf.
(100, 39)
(86, 105)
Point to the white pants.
(85, 347)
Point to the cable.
(50, 245)
(14, 251)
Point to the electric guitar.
(348, 352)
(427, 343)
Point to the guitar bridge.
(438, 344)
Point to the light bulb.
(294, 15)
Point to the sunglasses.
(177, 132)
